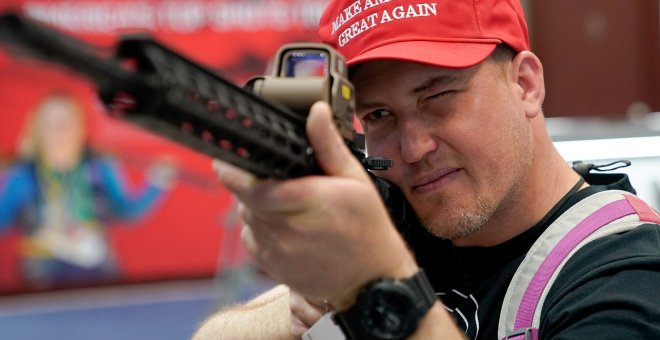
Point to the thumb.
(331, 151)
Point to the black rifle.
(150, 85)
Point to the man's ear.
(527, 72)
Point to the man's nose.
(416, 141)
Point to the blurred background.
(108, 231)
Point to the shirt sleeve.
(126, 203)
(16, 188)
(608, 290)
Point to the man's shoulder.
(611, 277)
(617, 249)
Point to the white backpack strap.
(601, 214)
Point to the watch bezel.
(400, 301)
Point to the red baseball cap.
(446, 33)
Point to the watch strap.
(420, 292)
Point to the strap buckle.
(528, 333)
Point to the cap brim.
(437, 53)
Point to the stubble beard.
(459, 223)
(463, 221)
(453, 222)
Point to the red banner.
(180, 231)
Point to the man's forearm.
(437, 324)
(265, 317)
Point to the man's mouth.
(434, 180)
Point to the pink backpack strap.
(601, 214)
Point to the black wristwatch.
(388, 309)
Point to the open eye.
(376, 115)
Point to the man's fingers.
(264, 194)
(333, 155)
(304, 311)
(233, 178)
(298, 328)
(248, 239)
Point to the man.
(450, 91)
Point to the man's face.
(459, 140)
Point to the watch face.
(388, 312)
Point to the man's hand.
(324, 236)
(304, 313)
